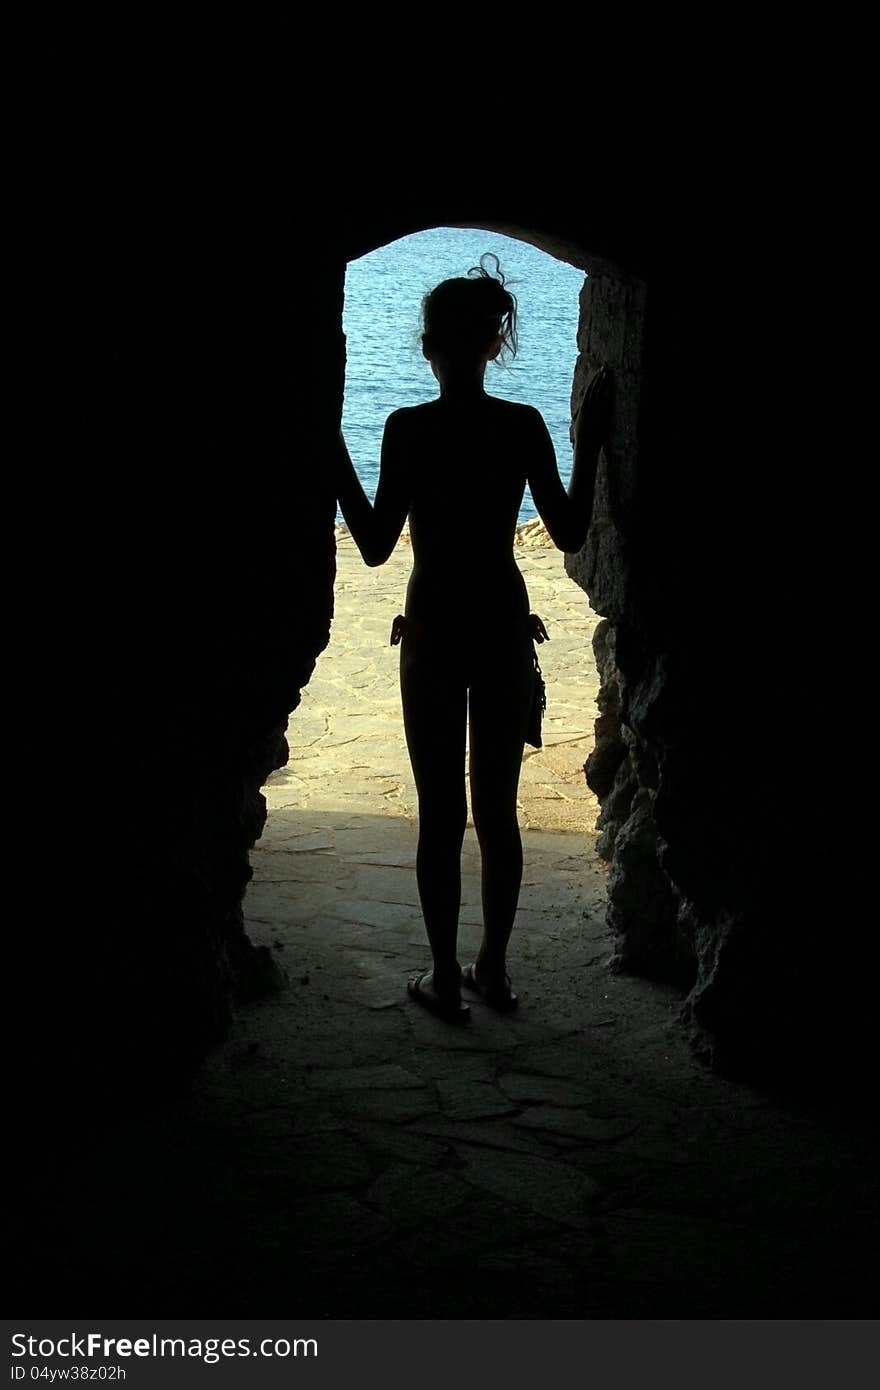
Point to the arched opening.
(609, 327)
(343, 810)
(385, 368)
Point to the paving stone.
(364, 913)
(462, 1099)
(279, 867)
(390, 1141)
(564, 1057)
(551, 1090)
(387, 1077)
(319, 839)
(389, 1106)
(484, 1032)
(576, 1124)
(554, 1190)
(352, 1043)
(285, 901)
(465, 1066)
(277, 1121)
(532, 923)
(316, 1119)
(383, 858)
(496, 1134)
(378, 883)
(376, 995)
(412, 1193)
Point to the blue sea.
(386, 369)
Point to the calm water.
(386, 370)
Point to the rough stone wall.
(196, 370)
(623, 769)
(710, 704)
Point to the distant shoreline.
(532, 534)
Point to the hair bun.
(491, 282)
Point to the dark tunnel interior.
(679, 1128)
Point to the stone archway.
(644, 905)
(347, 798)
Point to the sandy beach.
(347, 745)
(334, 872)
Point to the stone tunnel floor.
(345, 1154)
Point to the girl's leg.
(500, 701)
(435, 719)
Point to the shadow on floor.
(347, 1155)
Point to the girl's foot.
(498, 994)
(447, 1003)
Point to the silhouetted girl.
(458, 466)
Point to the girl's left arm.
(375, 528)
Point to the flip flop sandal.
(501, 999)
(454, 1010)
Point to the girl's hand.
(537, 629)
(594, 412)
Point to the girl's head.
(470, 320)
